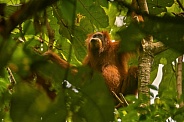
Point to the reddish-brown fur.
(103, 55)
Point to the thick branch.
(149, 49)
(158, 47)
(25, 12)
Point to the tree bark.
(145, 62)
(145, 59)
(143, 6)
(179, 79)
(149, 49)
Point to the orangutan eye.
(98, 36)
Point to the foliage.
(46, 92)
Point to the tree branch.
(143, 6)
(12, 80)
(51, 34)
(25, 12)
(179, 79)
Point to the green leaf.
(153, 74)
(153, 87)
(20, 62)
(96, 94)
(27, 104)
(130, 42)
(79, 43)
(28, 28)
(89, 9)
(53, 22)
(103, 3)
(168, 30)
(68, 9)
(166, 57)
(7, 47)
(93, 11)
(57, 110)
(63, 46)
(50, 71)
(163, 61)
(179, 114)
(158, 6)
(10, 9)
(168, 79)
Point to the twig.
(22, 33)
(51, 34)
(121, 102)
(12, 80)
(123, 98)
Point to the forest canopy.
(35, 88)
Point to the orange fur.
(103, 55)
